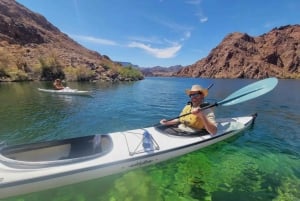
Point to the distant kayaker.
(198, 119)
(57, 84)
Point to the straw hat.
(196, 88)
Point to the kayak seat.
(174, 130)
(89, 145)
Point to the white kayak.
(44, 165)
(66, 91)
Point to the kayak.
(66, 91)
(37, 166)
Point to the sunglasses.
(195, 95)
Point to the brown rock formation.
(158, 71)
(28, 41)
(239, 55)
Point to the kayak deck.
(74, 150)
(166, 138)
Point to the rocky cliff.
(159, 71)
(31, 48)
(239, 55)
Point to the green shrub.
(19, 75)
(79, 74)
(3, 72)
(51, 69)
(130, 73)
(84, 74)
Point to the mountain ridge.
(239, 55)
(31, 48)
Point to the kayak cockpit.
(223, 126)
(175, 131)
(58, 152)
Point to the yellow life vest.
(190, 120)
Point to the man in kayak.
(57, 84)
(198, 119)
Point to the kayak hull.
(123, 152)
(65, 91)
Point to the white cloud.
(152, 39)
(197, 5)
(92, 39)
(163, 53)
(187, 35)
(175, 26)
(201, 16)
(203, 19)
(269, 25)
(193, 2)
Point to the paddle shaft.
(203, 108)
(210, 86)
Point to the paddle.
(248, 92)
(210, 86)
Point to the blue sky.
(162, 32)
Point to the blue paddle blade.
(250, 91)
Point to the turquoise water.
(259, 164)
